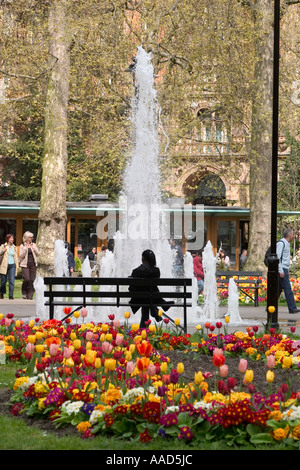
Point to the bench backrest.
(238, 273)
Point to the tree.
(52, 215)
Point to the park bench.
(245, 281)
(118, 297)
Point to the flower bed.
(118, 380)
(262, 292)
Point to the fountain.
(233, 303)
(210, 309)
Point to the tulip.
(84, 312)
(198, 378)
(130, 366)
(39, 335)
(119, 340)
(271, 309)
(180, 368)
(217, 352)
(142, 363)
(127, 314)
(270, 376)
(76, 314)
(39, 348)
(231, 382)
(77, 344)
(144, 348)
(223, 370)
(106, 347)
(29, 348)
(110, 364)
(218, 360)
(227, 319)
(164, 367)
(151, 370)
(31, 324)
(219, 324)
(89, 335)
(67, 353)
(243, 366)
(177, 321)
(31, 339)
(152, 328)
(166, 379)
(53, 349)
(108, 337)
(97, 363)
(271, 361)
(248, 378)
(116, 323)
(127, 355)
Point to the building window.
(226, 238)
(211, 191)
(7, 226)
(87, 236)
(30, 225)
(212, 132)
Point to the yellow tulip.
(270, 376)
(198, 327)
(73, 336)
(131, 348)
(135, 327)
(104, 327)
(160, 312)
(89, 345)
(127, 314)
(70, 362)
(39, 335)
(198, 378)
(180, 368)
(227, 319)
(110, 364)
(31, 339)
(31, 324)
(177, 321)
(76, 314)
(18, 323)
(102, 337)
(108, 336)
(163, 367)
(39, 348)
(97, 363)
(144, 334)
(152, 328)
(248, 377)
(1, 316)
(77, 343)
(127, 355)
(271, 309)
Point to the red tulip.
(218, 360)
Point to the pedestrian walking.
(284, 254)
(9, 266)
(28, 262)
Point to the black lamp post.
(272, 277)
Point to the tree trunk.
(261, 139)
(52, 215)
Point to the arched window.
(210, 191)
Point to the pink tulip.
(116, 323)
(67, 352)
(53, 349)
(119, 340)
(243, 366)
(8, 321)
(218, 352)
(106, 347)
(151, 370)
(223, 370)
(271, 362)
(84, 312)
(130, 366)
(89, 335)
(29, 348)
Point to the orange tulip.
(142, 363)
(53, 340)
(144, 348)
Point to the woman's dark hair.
(8, 237)
(149, 256)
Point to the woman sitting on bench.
(147, 270)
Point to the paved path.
(26, 309)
